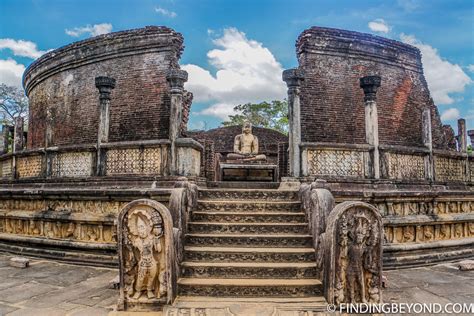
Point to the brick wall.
(63, 82)
(332, 102)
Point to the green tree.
(13, 104)
(272, 115)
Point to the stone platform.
(51, 288)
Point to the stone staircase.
(245, 243)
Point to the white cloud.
(21, 48)
(11, 72)
(450, 114)
(379, 25)
(165, 12)
(471, 68)
(246, 72)
(92, 30)
(443, 77)
(409, 5)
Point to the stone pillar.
(18, 134)
(4, 139)
(370, 84)
(427, 141)
(105, 86)
(462, 135)
(176, 79)
(293, 78)
(470, 133)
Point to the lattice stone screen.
(336, 162)
(29, 166)
(449, 169)
(6, 168)
(150, 160)
(403, 166)
(72, 164)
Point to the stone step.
(248, 194)
(249, 287)
(258, 270)
(249, 206)
(248, 254)
(246, 217)
(249, 240)
(248, 228)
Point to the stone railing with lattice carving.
(147, 158)
(450, 166)
(336, 160)
(404, 163)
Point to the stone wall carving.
(449, 169)
(70, 206)
(403, 166)
(352, 245)
(146, 254)
(29, 166)
(72, 164)
(431, 207)
(428, 232)
(34, 225)
(336, 162)
(6, 170)
(150, 160)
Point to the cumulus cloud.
(379, 25)
(92, 30)
(471, 68)
(246, 72)
(443, 77)
(450, 114)
(21, 48)
(165, 12)
(11, 72)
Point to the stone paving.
(52, 288)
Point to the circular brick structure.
(61, 88)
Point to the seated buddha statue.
(246, 146)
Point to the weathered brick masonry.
(332, 102)
(61, 89)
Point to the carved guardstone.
(146, 256)
(352, 246)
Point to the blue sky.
(235, 50)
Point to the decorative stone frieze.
(339, 163)
(448, 169)
(404, 166)
(29, 166)
(147, 257)
(428, 232)
(72, 164)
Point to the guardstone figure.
(146, 256)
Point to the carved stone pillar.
(293, 78)
(370, 84)
(4, 139)
(176, 79)
(105, 85)
(427, 141)
(462, 135)
(18, 134)
(470, 133)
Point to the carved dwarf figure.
(246, 146)
(146, 240)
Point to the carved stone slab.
(147, 258)
(353, 254)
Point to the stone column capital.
(293, 77)
(105, 86)
(176, 78)
(370, 84)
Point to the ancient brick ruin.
(108, 161)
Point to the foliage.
(470, 150)
(13, 104)
(272, 115)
